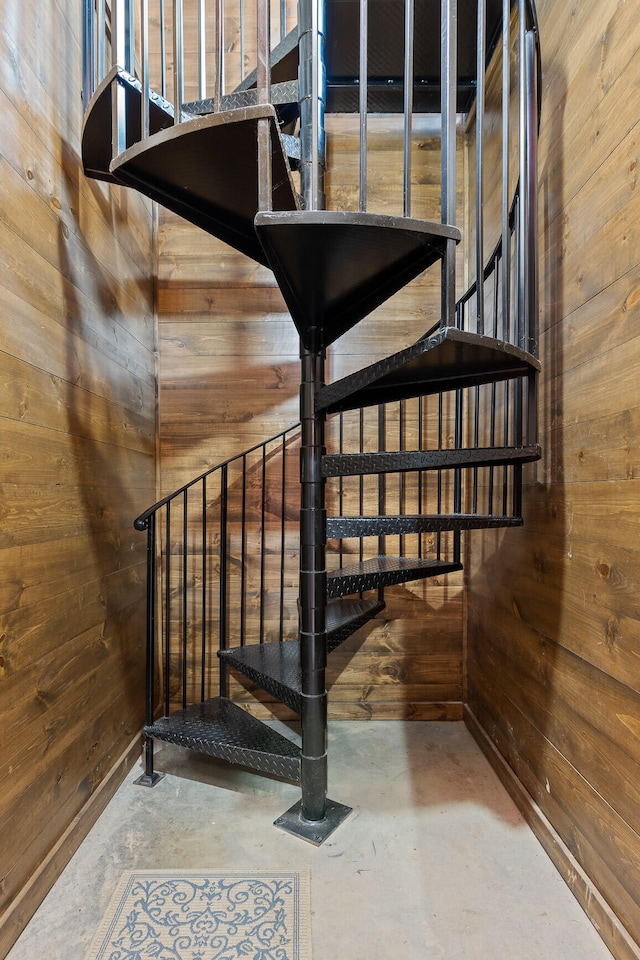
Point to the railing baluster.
(283, 480)
(185, 537)
(102, 38)
(401, 490)
(381, 479)
(408, 103)
(420, 472)
(178, 60)
(480, 108)
(243, 553)
(90, 79)
(144, 68)
(203, 652)
(262, 535)
(242, 19)
(202, 49)
(163, 50)
(219, 53)
(506, 234)
(150, 640)
(265, 191)
(283, 19)
(167, 614)
(448, 84)
(363, 90)
(222, 613)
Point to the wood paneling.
(77, 422)
(229, 377)
(554, 630)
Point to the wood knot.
(604, 570)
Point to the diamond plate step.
(275, 667)
(97, 134)
(340, 527)
(447, 360)
(359, 464)
(384, 572)
(221, 729)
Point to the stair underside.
(206, 170)
(221, 729)
(386, 55)
(340, 527)
(361, 464)
(448, 360)
(97, 126)
(384, 572)
(275, 667)
(335, 267)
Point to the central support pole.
(314, 817)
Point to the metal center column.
(314, 817)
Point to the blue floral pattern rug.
(206, 916)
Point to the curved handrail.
(142, 522)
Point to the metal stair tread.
(384, 571)
(220, 728)
(360, 464)
(344, 527)
(187, 168)
(447, 360)
(308, 250)
(275, 667)
(97, 148)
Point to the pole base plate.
(144, 780)
(313, 831)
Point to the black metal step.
(97, 128)
(275, 667)
(384, 572)
(447, 360)
(222, 729)
(283, 96)
(335, 267)
(360, 464)
(206, 170)
(342, 527)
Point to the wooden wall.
(229, 377)
(77, 422)
(554, 621)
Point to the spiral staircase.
(248, 167)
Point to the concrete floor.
(434, 863)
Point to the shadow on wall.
(515, 593)
(110, 416)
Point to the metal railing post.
(178, 60)
(448, 81)
(89, 80)
(312, 95)
(149, 778)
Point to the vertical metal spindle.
(203, 608)
(202, 49)
(506, 442)
(408, 103)
(144, 69)
(263, 552)
(282, 531)
(480, 110)
(381, 478)
(476, 443)
(102, 38)
(90, 79)
(119, 102)
(130, 37)
(439, 489)
(243, 552)
(312, 97)
(242, 19)
(163, 50)
(265, 190)
(523, 144)
(363, 91)
(448, 83)
(457, 482)
(185, 619)
(506, 97)
(283, 19)
(167, 614)
(223, 642)
(178, 60)
(361, 482)
(420, 473)
(151, 643)
(401, 490)
(531, 188)
(341, 484)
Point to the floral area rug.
(206, 916)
